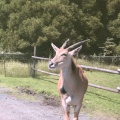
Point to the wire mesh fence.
(22, 59)
(17, 68)
(109, 60)
(12, 64)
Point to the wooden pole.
(41, 58)
(91, 85)
(104, 88)
(34, 50)
(49, 73)
(86, 67)
(100, 69)
(34, 63)
(4, 64)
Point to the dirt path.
(12, 108)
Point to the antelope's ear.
(75, 51)
(54, 47)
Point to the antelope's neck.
(69, 70)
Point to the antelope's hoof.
(75, 118)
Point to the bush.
(117, 50)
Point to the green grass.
(43, 65)
(104, 79)
(17, 69)
(97, 64)
(14, 69)
(96, 100)
(42, 85)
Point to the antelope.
(72, 83)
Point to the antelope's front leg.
(76, 111)
(66, 109)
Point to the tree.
(35, 22)
(113, 7)
(114, 27)
(28, 23)
(109, 47)
(117, 50)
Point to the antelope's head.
(63, 55)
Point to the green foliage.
(113, 7)
(114, 27)
(109, 47)
(117, 50)
(23, 58)
(24, 24)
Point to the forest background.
(28, 23)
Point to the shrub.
(117, 50)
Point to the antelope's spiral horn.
(77, 44)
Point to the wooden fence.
(115, 60)
(117, 90)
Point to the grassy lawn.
(95, 101)
(97, 64)
(44, 84)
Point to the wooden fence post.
(34, 63)
(4, 64)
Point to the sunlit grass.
(95, 100)
(15, 69)
(18, 69)
(18, 76)
(43, 84)
(96, 64)
(43, 65)
(104, 79)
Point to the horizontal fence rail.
(42, 71)
(91, 85)
(104, 88)
(85, 67)
(40, 58)
(101, 69)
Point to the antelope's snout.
(51, 65)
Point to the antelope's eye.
(64, 54)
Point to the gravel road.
(12, 108)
